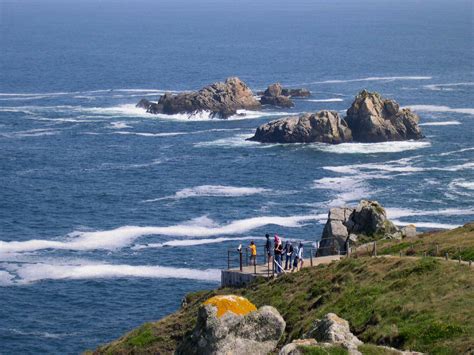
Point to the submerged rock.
(232, 325)
(323, 126)
(221, 100)
(373, 118)
(346, 223)
(296, 92)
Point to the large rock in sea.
(323, 126)
(373, 118)
(221, 100)
(369, 219)
(274, 96)
(232, 325)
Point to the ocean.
(110, 215)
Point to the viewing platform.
(235, 277)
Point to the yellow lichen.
(231, 303)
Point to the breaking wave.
(213, 191)
(30, 273)
(446, 123)
(370, 148)
(326, 100)
(124, 236)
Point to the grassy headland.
(424, 304)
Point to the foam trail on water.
(29, 273)
(446, 87)
(372, 78)
(446, 123)
(213, 191)
(124, 236)
(435, 108)
(326, 100)
(370, 148)
(192, 242)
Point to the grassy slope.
(457, 243)
(419, 304)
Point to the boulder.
(335, 330)
(346, 224)
(221, 100)
(408, 231)
(232, 325)
(273, 96)
(373, 118)
(323, 126)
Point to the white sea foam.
(372, 78)
(445, 123)
(326, 100)
(124, 236)
(433, 225)
(370, 148)
(395, 213)
(6, 278)
(214, 191)
(192, 242)
(345, 189)
(119, 125)
(147, 134)
(435, 108)
(31, 133)
(236, 141)
(446, 87)
(29, 273)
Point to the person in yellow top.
(253, 253)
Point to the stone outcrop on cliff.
(323, 126)
(368, 218)
(221, 100)
(231, 325)
(373, 118)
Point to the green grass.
(457, 243)
(318, 350)
(418, 304)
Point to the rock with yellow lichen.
(231, 324)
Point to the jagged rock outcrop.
(230, 328)
(274, 96)
(220, 99)
(335, 330)
(323, 126)
(368, 218)
(373, 118)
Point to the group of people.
(291, 255)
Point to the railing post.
(400, 253)
(240, 259)
(375, 248)
(255, 265)
(446, 256)
(268, 266)
(437, 249)
(310, 257)
(273, 267)
(459, 256)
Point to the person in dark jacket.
(288, 254)
(278, 251)
(268, 248)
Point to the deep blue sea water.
(93, 189)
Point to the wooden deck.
(235, 277)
